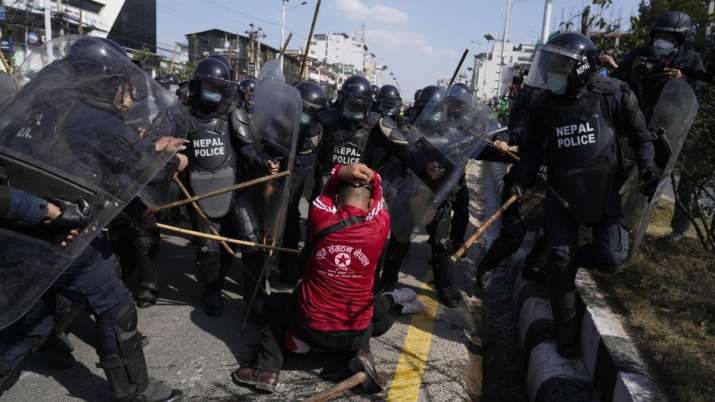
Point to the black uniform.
(309, 140)
(573, 130)
(214, 129)
(90, 279)
(439, 229)
(643, 68)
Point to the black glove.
(649, 178)
(516, 190)
(75, 215)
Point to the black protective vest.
(211, 163)
(348, 143)
(581, 152)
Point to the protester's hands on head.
(357, 173)
(170, 144)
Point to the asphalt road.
(196, 353)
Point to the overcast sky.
(420, 40)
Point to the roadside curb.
(610, 367)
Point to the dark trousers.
(91, 282)
(279, 317)
(460, 217)
(292, 233)
(609, 247)
(212, 261)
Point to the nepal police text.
(575, 135)
(207, 147)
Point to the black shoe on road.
(448, 297)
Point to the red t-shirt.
(337, 289)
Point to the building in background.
(135, 26)
(131, 23)
(348, 54)
(485, 79)
(246, 54)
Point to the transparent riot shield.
(448, 131)
(66, 134)
(672, 118)
(275, 123)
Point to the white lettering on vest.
(575, 135)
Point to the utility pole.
(507, 18)
(547, 22)
(48, 21)
(283, 27)
(711, 10)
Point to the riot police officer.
(647, 69)
(573, 129)
(311, 133)
(440, 228)
(103, 87)
(216, 130)
(353, 133)
(388, 102)
(246, 88)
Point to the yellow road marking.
(406, 383)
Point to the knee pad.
(127, 371)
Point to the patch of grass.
(669, 299)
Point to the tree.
(697, 162)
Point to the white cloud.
(399, 40)
(357, 10)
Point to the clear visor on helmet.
(388, 105)
(550, 64)
(355, 109)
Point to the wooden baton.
(473, 238)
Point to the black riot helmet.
(417, 94)
(211, 82)
(677, 23)
(458, 90)
(221, 57)
(388, 101)
(566, 63)
(246, 88)
(375, 91)
(98, 56)
(314, 100)
(355, 98)
(167, 80)
(427, 93)
(433, 95)
(106, 62)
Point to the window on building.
(88, 5)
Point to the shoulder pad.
(372, 119)
(607, 85)
(389, 129)
(239, 115)
(241, 123)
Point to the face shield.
(355, 109)
(551, 69)
(388, 106)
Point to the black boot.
(127, 372)
(58, 351)
(9, 375)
